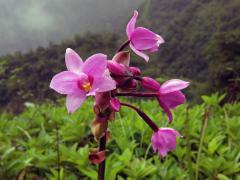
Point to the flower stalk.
(150, 123)
(123, 46)
(101, 167)
(139, 94)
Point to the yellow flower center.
(86, 86)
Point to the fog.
(27, 24)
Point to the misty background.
(27, 24)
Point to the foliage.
(44, 141)
(202, 44)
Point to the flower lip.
(85, 82)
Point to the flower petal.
(173, 85)
(166, 109)
(103, 84)
(144, 39)
(74, 101)
(163, 151)
(160, 40)
(154, 49)
(65, 82)
(131, 24)
(145, 44)
(73, 61)
(95, 65)
(170, 139)
(139, 53)
(173, 131)
(144, 33)
(159, 143)
(173, 99)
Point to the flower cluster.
(107, 80)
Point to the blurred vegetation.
(202, 46)
(202, 43)
(45, 142)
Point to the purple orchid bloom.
(82, 78)
(170, 95)
(142, 39)
(164, 140)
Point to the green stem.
(228, 128)
(203, 131)
(187, 134)
(58, 153)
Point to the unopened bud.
(96, 157)
(135, 71)
(115, 104)
(99, 127)
(116, 68)
(150, 84)
(133, 84)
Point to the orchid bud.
(96, 157)
(115, 104)
(150, 84)
(99, 126)
(116, 68)
(102, 100)
(133, 84)
(108, 136)
(135, 71)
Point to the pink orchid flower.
(142, 39)
(164, 140)
(82, 79)
(170, 95)
(169, 92)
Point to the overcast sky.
(26, 24)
